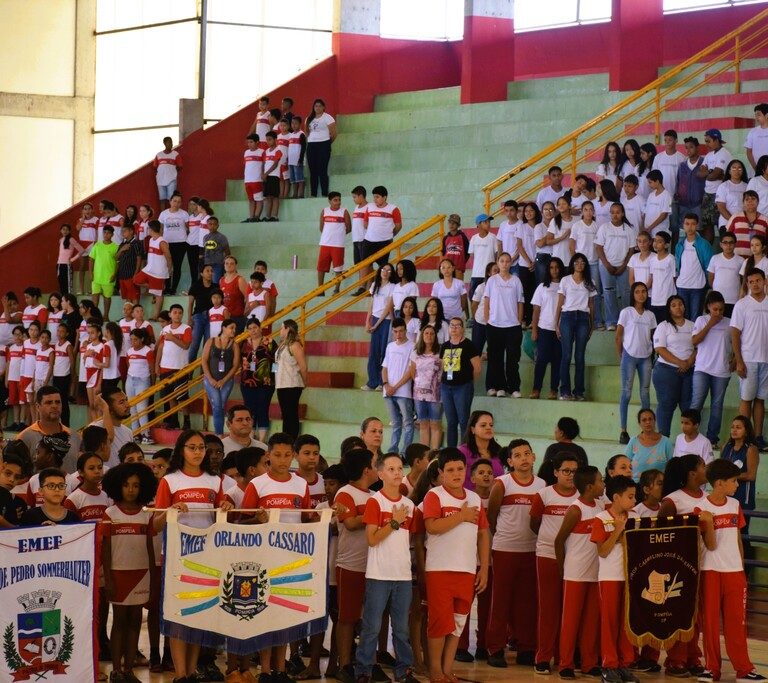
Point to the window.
(687, 5)
(539, 14)
(423, 20)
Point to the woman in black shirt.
(199, 304)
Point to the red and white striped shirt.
(43, 363)
(215, 319)
(683, 502)
(267, 492)
(62, 365)
(200, 492)
(334, 228)
(253, 161)
(30, 358)
(88, 227)
(610, 568)
(31, 313)
(141, 362)
(128, 532)
(550, 506)
(580, 552)
(381, 222)
(352, 552)
(317, 491)
(15, 361)
(513, 526)
(89, 507)
(728, 519)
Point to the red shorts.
(92, 377)
(129, 290)
(254, 191)
(350, 592)
(26, 384)
(156, 285)
(15, 395)
(330, 255)
(448, 593)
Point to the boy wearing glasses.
(723, 272)
(53, 487)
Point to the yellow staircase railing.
(643, 106)
(313, 309)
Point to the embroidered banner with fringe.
(662, 580)
(245, 587)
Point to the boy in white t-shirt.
(508, 228)
(168, 165)
(457, 537)
(297, 146)
(253, 162)
(658, 205)
(360, 199)
(713, 171)
(691, 440)
(633, 202)
(388, 520)
(757, 138)
(692, 257)
(398, 386)
(486, 249)
(723, 582)
(723, 272)
(335, 225)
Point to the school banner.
(662, 580)
(245, 587)
(48, 582)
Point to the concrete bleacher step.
(693, 125)
(418, 98)
(705, 102)
(757, 74)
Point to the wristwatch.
(394, 524)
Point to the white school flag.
(48, 579)
(248, 586)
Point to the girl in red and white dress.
(16, 396)
(140, 324)
(113, 341)
(190, 484)
(27, 381)
(141, 371)
(258, 299)
(141, 228)
(88, 501)
(34, 310)
(127, 554)
(217, 313)
(55, 313)
(86, 235)
(684, 478)
(44, 359)
(96, 358)
(63, 365)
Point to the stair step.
(708, 101)
(337, 348)
(274, 408)
(331, 380)
(348, 318)
(746, 75)
(692, 125)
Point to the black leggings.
(178, 251)
(318, 156)
(63, 384)
(289, 409)
(194, 259)
(64, 276)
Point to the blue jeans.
(377, 594)
(693, 298)
(548, 352)
(218, 399)
(258, 399)
(133, 387)
(615, 287)
(594, 269)
(401, 412)
(200, 333)
(542, 266)
(376, 351)
(673, 389)
(716, 386)
(457, 401)
(643, 366)
(574, 329)
(479, 337)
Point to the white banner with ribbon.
(48, 579)
(245, 586)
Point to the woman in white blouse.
(321, 132)
(451, 291)
(673, 372)
(377, 324)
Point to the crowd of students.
(410, 553)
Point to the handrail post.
(302, 322)
(488, 202)
(737, 60)
(206, 410)
(657, 115)
(574, 155)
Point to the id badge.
(222, 366)
(253, 366)
(449, 375)
(274, 367)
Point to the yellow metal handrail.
(431, 233)
(653, 99)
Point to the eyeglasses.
(197, 449)
(455, 325)
(727, 242)
(566, 471)
(55, 487)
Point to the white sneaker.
(501, 393)
(516, 394)
(365, 387)
(490, 392)
(611, 328)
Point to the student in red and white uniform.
(15, 357)
(55, 313)
(283, 142)
(141, 225)
(261, 124)
(257, 305)
(382, 222)
(125, 324)
(86, 236)
(358, 228)
(273, 161)
(44, 360)
(217, 313)
(109, 217)
(171, 354)
(352, 555)
(27, 380)
(168, 164)
(389, 520)
(174, 220)
(278, 489)
(269, 285)
(251, 463)
(335, 224)
(113, 340)
(189, 484)
(158, 268)
(139, 323)
(547, 513)
(63, 364)
(684, 478)
(96, 357)
(89, 501)
(577, 561)
(34, 310)
(723, 582)
(253, 160)
(307, 449)
(127, 555)
(649, 488)
(513, 602)
(457, 539)
(607, 531)
(297, 146)
(140, 376)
